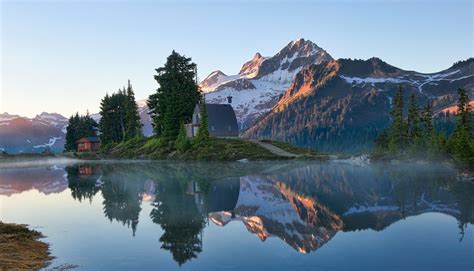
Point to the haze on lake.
(245, 216)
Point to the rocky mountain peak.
(212, 79)
(251, 67)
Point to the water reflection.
(304, 205)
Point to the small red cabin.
(88, 144)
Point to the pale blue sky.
(63, 56)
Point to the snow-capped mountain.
(343, 104)
(262, 80)
(46, 130)
(21, 134)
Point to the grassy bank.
(215, 149)
(20, 248)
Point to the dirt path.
(275, 150)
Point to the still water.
(245, 216)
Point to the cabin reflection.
(85, 171)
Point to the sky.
(64, 56)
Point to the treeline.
(415, 134)
(78, 127)
(120, 120)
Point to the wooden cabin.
(221, 120)
(88, 144)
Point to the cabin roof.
(220, 115)
(90, 139)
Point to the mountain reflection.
(302, 204)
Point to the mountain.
(343, 104)
(21, 134)
(262, 80)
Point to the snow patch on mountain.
(371, 80)
(51, 142)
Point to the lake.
(245, 216)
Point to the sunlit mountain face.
(303, 205)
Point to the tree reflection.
(177, 214)
(122, 192)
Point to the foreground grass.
(20, 248)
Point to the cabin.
(88, 144)
(221, 119)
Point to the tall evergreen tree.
(174, 100)
(461, 142)
(427, 120)
(120, 120)
(413, 120)
(398, 129)
(132, 118)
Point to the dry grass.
(20, 248)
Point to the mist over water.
(248, 216)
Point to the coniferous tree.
(174, 100)
(461, 142)
(132, 118)
(413, 122)
(398, 129)
(120, 120)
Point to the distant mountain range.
(47, 130)
(301, 95)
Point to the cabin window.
(230, 129)
(212, 128)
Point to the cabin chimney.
(229, 99)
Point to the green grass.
(226, 149)
(216, 149)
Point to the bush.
(182, 142)
(154, 144)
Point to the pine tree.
(174, 100)
(413, 122)
(460, 143)
(398, 129)
(70, 144)
(132, 118)
(120, 120)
